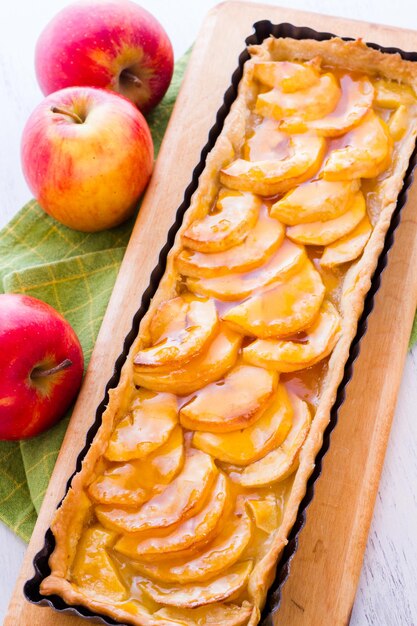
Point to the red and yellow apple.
(87, 155)
(112, 44)
(41, 363)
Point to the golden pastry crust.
(76, 510)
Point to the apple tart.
(187, 495)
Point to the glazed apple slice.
(281, 462)
(182, 499)
(225, 550)
(135, 482)
(285, 261)
(93, 571)
(250, 444)
(390, 94)
(315, 101)
(355, 102)
(347, 248)
(324, 233)
(235, 216)
(193, 532)
(270, 177)
(286, 308)
(199, 594)
(148, 425)
(232, 403)
(365, 153)
(261, 242)
(293, 355)
(266, 142)
(211, 365)
(212, 615)
(286, 75)
(315, 200)
(266, 513)
(193, 331)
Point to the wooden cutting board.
(326, 568)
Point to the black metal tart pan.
(262, 30)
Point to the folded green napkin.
(75, 273)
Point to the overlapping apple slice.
(231, 403)
(212, 615)
(287, 75)
(291, 355)
(365, 152)
(199, 594)
(93, 570)
(149, 424)
(262, 241)
(269, 177)
(220, 554)
(281, 462)
(182, 499)
(390, 94)
(211, 365)
(189, 534)
(135, 482)
(315, 101)
(325, 232)
(347, 248)
(183, 338)
(230, 287)
(284, 309)
(354, 103)
(250, 444)
(315, 200)
(235, 215)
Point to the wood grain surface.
(326, 569)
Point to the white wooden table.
(387, 594)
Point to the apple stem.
(132, 78)
(63, 111)
(38, 372)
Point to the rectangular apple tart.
(191, 486)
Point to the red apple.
(87, 155)
(112, 44)
(41, 365)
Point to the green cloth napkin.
(75, 273)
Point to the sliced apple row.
(339, 209)
(189, 534)
(180, 329)
(299, 352)
(227, 225)
(315, 101)
(207, 367)
(135, 482)
(289, 146)
(364, 152)
(252, 442)
(95, 571)
(299, 163)
(324, 232)
(284, 308)
(281, 462)
(264, 239)
(180, 500)
(236, 286)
